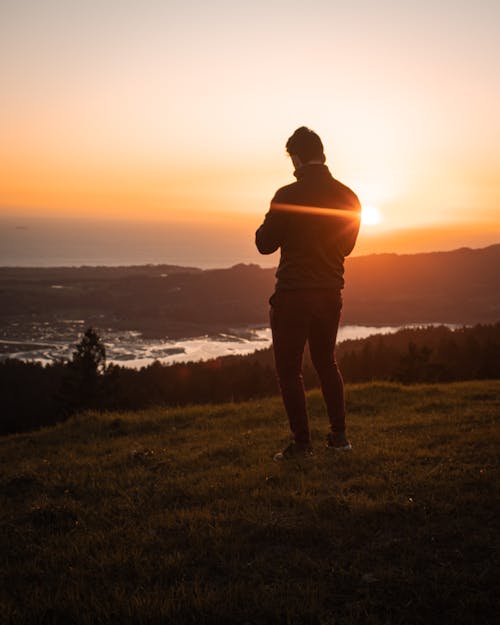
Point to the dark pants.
(298, 316)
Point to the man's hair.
(306, 144)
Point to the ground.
(180, 515)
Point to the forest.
(35, 395)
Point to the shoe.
(338, 441)
(293, 451)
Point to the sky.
(177, 113)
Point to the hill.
(460, 287)
(179, 515)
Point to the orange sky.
(179, 111)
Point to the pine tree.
(82, 387)
(90, 355)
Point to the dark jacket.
(314, 239)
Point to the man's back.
(315, 221)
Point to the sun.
(370, 216)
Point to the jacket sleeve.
(269, 235)
(352, 222)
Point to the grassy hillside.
(180, 515)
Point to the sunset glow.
(179, 112)
(370, 215)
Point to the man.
(315, 221)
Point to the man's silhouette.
(315, 222)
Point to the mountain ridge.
(164, 301)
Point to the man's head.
(305, 146)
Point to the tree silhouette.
(82, 386)
(34, 395)
(90, 354)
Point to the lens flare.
(370, 216)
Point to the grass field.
(180, 515)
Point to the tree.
(90, 354)
(82, 386)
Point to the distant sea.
(64, 242)
(74, 242)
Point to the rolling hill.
(462, 286)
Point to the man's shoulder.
(337, 192)
(343, 187)
(348, 194)
(285, 193)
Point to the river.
(131, 350)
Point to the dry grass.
(180, 516)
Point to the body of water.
(64, 242)
(129, 349)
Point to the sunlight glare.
(370, 216)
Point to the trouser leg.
(322, 337)
(289, 332)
